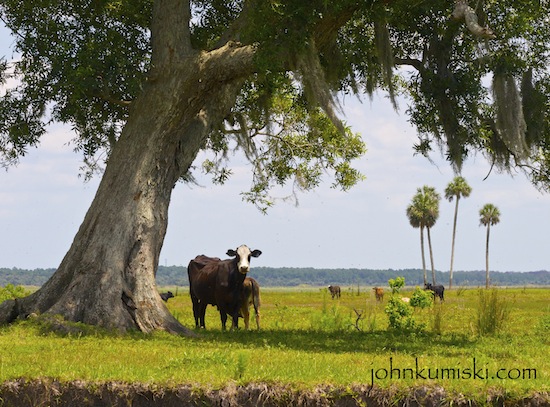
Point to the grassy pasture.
(307, 339)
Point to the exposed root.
(52, 393)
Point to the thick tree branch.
(229, 62)
(170, 34)
(233, 31)
(415, 63)
(464, 11)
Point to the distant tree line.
(289, 277)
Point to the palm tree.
(423, 213)
(458, 188)
(489, 215)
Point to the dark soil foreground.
(49, 393)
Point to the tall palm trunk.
(487, 256)
(423, 255)
(431, 255)
(453, 243)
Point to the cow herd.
(225, 284)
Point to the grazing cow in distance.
(220, 283)
(437, 290)
(378, 293)
(334, 291)
(251, 296)
(165, 296)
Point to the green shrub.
(396, 284)
(11, 292)
(400, 313)
(492, 312)
(421, 298)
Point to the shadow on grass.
(341, 342)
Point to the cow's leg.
(223, 316)
(202, 313)
(258, 319)
(246, 315)
(235, 320)
(196, 311)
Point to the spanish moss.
(510, 122)
(385, 56)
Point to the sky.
(44, 198)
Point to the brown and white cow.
(220, 283)
(251, 296)
(378, 293)
(334, 291)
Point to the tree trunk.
(453, 244)
(487, 256)
(423, 255)
(431, 255)
(107, 277)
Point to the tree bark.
(423, 255)
(487, 256)
(463, 11)
(107, 278)
(453, 243)
(431, 255)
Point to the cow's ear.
(256, 253)
(231, 253)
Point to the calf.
(251, 296)
(334, 291)
(220, 283)
(165, 296)
(437, 290)
(378, 293)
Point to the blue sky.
(43, 201)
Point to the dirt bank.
(49, 393)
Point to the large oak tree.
(147, 84)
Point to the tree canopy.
(476, 82)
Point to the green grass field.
(308, 339)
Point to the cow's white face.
(243, 254)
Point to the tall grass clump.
(492, 312)
(242, 363)
(437, 320)
(543, 328)
(331, 318)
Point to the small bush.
(492, 312)
(396, 284)
(11, 292)
(400, 314)
(421, 298)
